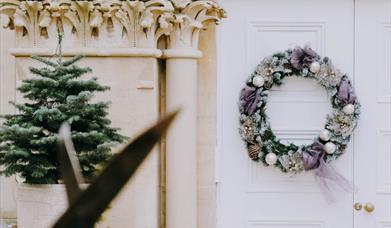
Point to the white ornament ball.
(315, 67)
(324, 135)
(271, 158)
(330, 147)
(348, 109)
(258, 81)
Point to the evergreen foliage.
(56, 94)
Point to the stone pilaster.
(182, 54)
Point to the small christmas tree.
(56, 94)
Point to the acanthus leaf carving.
(44, 19)
(190, 19)
(180, 4)
(96, 19)
(112, 23)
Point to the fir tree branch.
(72, 61)
(45, 61)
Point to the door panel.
(251, 195)
(373, 136)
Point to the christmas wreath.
(261, 142)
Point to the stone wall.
(7, 93)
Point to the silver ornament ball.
(315, 67)
(271, 158)
(258, 81)
(348, 109)
(324, 135)
(330, 147)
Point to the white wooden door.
(356, 35)
(372, 145)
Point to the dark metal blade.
(69, 164)
(92, 202)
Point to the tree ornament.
(341, 124)
(348, 109)
(324, 135)
(315, 67)
(255, 127)
(328, 76)
(329, 148)
(258, 81)
(271, 158)
(293, 162)
(253, 151)
(247, 129)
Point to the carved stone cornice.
(188, 19)
(108, 23)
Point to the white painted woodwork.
(372, 145)
(356, 36)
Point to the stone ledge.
(89, 52)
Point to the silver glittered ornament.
(328, 75)
(247, 128)
(348, 109)
(329, 147)
(315, 67)
(342, 124)
(265, 69)
(293, 162)
(258, 81)
(324, 135)
(271, 158)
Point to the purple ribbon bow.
(345, 93)
(313, 158)
(312, 155)
(249, 98)
(302, 57)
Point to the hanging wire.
(58, 53)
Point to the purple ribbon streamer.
(249, 98)
(313, 158)
(345, 92)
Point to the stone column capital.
(186, 22)
(109, 24)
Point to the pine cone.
(253, 151)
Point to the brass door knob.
(369, 207)
(357, 206)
